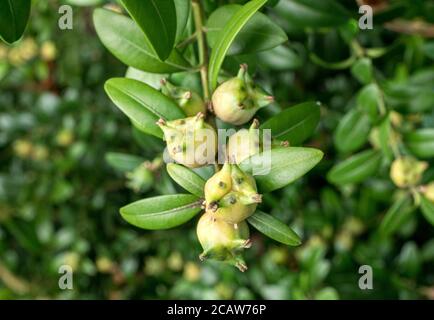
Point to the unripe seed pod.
(219, 184)
(222, 241)
(141, 178)
(190, 141)
(234, 208)
(48, 51)
(189, 101)
(407, 171)
(231, 194)
(244, 143)
(238, 99)
(243, 182)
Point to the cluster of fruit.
(231, 194)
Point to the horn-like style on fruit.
(237, 100)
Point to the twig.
(203, 50)
(203, 58)
(14, 283)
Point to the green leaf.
(396, 216)
(162, 212)
(369, 99)
(362, 70)
(294, 124)
(151, 79)
(123, 162)
(14, 15)
(157, 19)
(327, 293)
(349, 31)
(356, 168)
(409, 260)
(428, 49)
(227, 36)
(183, 8)
(84, 3)
(427, 208)
(352, 131)
(124, 39)
(421, 142)
(231, 64)
(260, 32)
(274, 228)
(312, 13)
(142, 104)
(280, 58)
(24, 233)
(279, 167)
(413, 95)
(384, 134)
(187, 178)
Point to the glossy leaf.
(260, 32)
(14, 15)
(294, 124)
(280, 58)
(281, 166)
(427, 208)
(312, 13)
(151, 79)
(187, 178)
(183, 8)
(123, 162)
(384, 134)
(162, 212)
(362, 70)
(356, 168)
(352, 131)
(124, 39)
(421, 142)
(274, 229)
(396, 216)
(142, 104)
(227, 36)
(157, 19)
(369, 99)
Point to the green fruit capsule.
(243, 182)
(407, 171)
(238, 99)
(231, 194)
(141, 178)
(190, 141)
(189, 101)
(244, 143)
(219, 184)
(222, 241)
(235, 207)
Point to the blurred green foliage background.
(59, 196)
